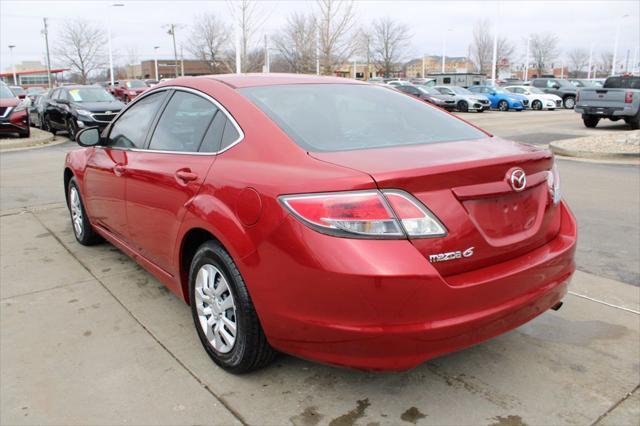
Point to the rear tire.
(82, 228)
(503, 106)
(463, 106)
(212, 312)
(569, 102)
(634, 121)
(590, 121)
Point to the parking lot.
(88, 337)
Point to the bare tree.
(249, 18)
(80, 45)
(544, 49)
(481, 49)
(296, 43)
(389, 43)
(209, 41)
(578, 59)
(606, 62)
(335, 19)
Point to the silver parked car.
(464, 99)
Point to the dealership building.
(30, 74)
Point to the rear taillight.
(365, 214)
(628, 97)
(553, 181)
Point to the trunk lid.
(466, 184)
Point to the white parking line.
(605, 303)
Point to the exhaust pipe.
(557, 306)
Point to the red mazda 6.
(330, 219)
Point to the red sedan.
(14, 114)
(330, 219)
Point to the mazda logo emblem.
(518, 180)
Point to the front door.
(106, 171)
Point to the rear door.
(168, 173)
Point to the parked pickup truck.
(618, 98)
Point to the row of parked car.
(537, 94)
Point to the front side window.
(183, 123)
(130, 131)
(340, 117)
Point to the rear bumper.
(380, 305)
(607, 111)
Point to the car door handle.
(119, 169)
(186, 175)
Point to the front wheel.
(82, 229)
(537, 105)
(225, 319)
(46, 124)
(503, 106)
(72, 129)
(463, 106)
(590, 121)
(569, 102)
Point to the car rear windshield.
(341, 117)
(622, 83)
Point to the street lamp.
(109, 39)
(526, 61)
(615, 45)
(13, 64)
(155, 54)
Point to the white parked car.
(398, 83)
(537, 98)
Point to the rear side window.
(539, 83)
(622, 83)
(130, 131)
(230, 135)
(213, 137)
(183, 123)
(340, 117)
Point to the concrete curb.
(39, 140)
(559, 150)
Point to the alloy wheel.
(569, 102)
(537, 105)
(503, 106)
(76, 211)
(216, 308)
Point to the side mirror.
(63, 101)
(556, 86)
(492, 93)
(88, 137)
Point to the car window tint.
(183, 123)
(131, 128)
(213, 137)
(338, 117)
(230, 135)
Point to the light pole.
(13, 64)
(590, 61)
(109, 43)
(526, 60)
(155, 54)
(615, 45)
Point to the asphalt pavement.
(88, 337)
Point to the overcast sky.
(140, 24)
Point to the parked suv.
(75, 107)
(126, 90)
(14, 116)
(556, 86)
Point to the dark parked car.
(72, 108)
(14, 117)
(429, 95)
(36, 109)
(32, 92)
(556, 86)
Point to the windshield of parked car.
(5, 93)
(90, 94)
(622, 83)
(340, 117)
(460, 90)
(135, 84)
(18, 90)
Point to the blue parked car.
(501, 99)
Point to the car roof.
(237, 81)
